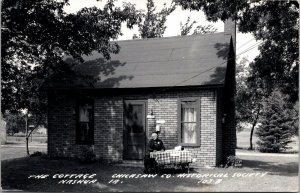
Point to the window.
(85, 122)
(189, 122)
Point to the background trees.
(14, 123)
(186, 28)
(273, 71)
(153, 23)
(276, 23)
(249, 98)
(35, 36)
(37, 33)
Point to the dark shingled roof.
(195, 60)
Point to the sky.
(243, 41)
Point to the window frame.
(90, 140)
(198, 121)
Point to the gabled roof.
(161, 62)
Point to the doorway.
(134, 129)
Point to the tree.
(33, 121)
(153, 24)
(14, 123)
(186, 28)
(27, 123)
(249, 98)
(277, 124)
(274, 22)
(36, 34)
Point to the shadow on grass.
(286, 169)
(255, 149)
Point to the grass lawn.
(34, 139)
(15, 146)
(11, 152)
(15, 175)
(280, 172)
(243, 141)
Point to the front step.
(132, 163)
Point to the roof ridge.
(174, 37)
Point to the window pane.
(188, 132)
(188, 115)
(134, 118)
(84, 131)
(85, 113)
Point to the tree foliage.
(277, 126)
(14, 123)
(186, 28)
(37, 33)
(249, 98)
(153, 23)
(276, 23)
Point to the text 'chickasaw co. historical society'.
(201, 178)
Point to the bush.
(15, 122)
(88, 156)
(233, 161)
(20, 134)
(39, 154)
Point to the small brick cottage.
(186, 85)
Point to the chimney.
(230, 29)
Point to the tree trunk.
(253, 126)
(251, 135)
(27, 148)
(26, 135)
(27, 139)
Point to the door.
(134, 129)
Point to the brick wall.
(61, 133)
(108, 132)
(219, 138)
(109, 128)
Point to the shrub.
(39, 154)
(20, 134)
(15, 122)
(233, 161)
(88, 155)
